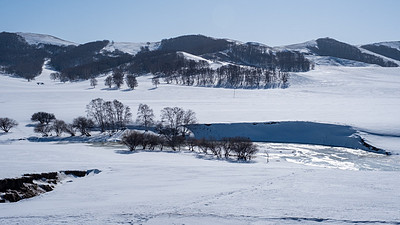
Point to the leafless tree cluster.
(243, 149)
(134, 139)
(6, 124)
(109, 115)
(48, 125)
(240, 147)
(117, 78)
(231, 76)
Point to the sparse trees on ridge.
(6, 124)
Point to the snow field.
(301, 184)
(172, 187)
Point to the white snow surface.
(301, 47)
(130, 47)
(35, 39)
(300, 184)
(213, 64)
(391, 44)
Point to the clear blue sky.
(270, 22)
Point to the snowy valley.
(310, 168)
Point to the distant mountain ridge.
(341, 52)
(23, 54)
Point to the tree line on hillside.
(231, 76)
(19, 58)
(87, 61)
(175, 68)
(246, 65)
(263, 57)
(383, 50)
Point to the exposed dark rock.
(52, 175)
(31, 185)
(76, 173)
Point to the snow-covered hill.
(35, 39)
(352, 56)
(131, 47)
(301, 47)
(391, 44)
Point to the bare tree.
(44, 129)
(132, 139)
(108, 115)
(93, 82)
(131, 81)
(83, 125)
(118, 77)
(215, 147)
(145, 116)
(173, 125)
(177, 119)
(108, 81)
(54, 76)
(70, 129)
(172, 118)
(6, 124)
(43, 117)
(96, 110)
(243, 147)
(59, 126)
(122, 114)
(189, 117)
(155, 81)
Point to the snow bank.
(286, 132)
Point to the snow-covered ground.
(300, 184)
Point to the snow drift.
(298, 132)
